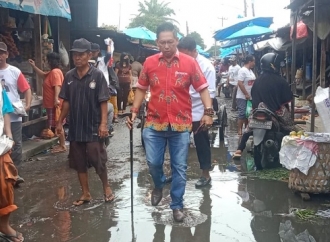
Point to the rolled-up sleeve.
(143, 82)
(210, 76)
(198, 80)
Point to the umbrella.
(242, 23)
(250, 31)
(229, 51)
(140, 33)
(230, 43)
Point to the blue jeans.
(155, 145)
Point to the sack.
(113, 78)
(112, 91)
(19, 109)
(6, 144)
(322, 103)
(302, 30)
(248, 108)
(64, 56)
(47, 134)
(130, 97)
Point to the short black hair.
(54, 60)
(166, 27)
(248, 58)
(187, 43)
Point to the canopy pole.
(323, 63)
(304, 71)
(294, 63)
(316, 7)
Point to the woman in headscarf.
(273, 92)
(8, 172)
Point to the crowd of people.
(182, 84)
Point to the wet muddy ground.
(234, 208)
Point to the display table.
(35, 114)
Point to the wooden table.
(36, 104)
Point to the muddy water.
(234, 208)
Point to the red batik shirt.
(169, 83)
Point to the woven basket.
(318, 178)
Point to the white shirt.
(247, 77)
(210, 75)
(13, 80)
(233, 74)
(104, 68)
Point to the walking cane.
(131, 157)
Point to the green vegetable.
(279, 174)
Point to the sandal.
(58, 150)
(109, 198)
(237, 156)
(18, 236)
(81, 202)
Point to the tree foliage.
(109, 27)
(151, 14)
(198, 38)
(217, 50)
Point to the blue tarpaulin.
(222, 34)
(140, 33)
(58, 8)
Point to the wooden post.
(316, 7)
(64, 36)
(323, 64)
(287, 66)
(293, 63)
(38, 52)
(304, 71)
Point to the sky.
(203, 18)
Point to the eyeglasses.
(168, 42)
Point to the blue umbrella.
(201, 51)
(250, 31)
(140, 33)
(242, 23)
(229, 51)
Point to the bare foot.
(108, 195)
(82, 200)
(13, 235)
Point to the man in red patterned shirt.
(169, 75)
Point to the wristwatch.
(209, 112)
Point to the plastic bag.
(130, 97)
(248, 108)
(322, 103)
(63, 54)
(19, 109)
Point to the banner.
(58, 8)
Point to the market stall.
(31, 32)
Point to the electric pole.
(252, 6)
(215, 42)
(187, 28)
(245, 8)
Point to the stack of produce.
(299, 134)
(8, 39)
